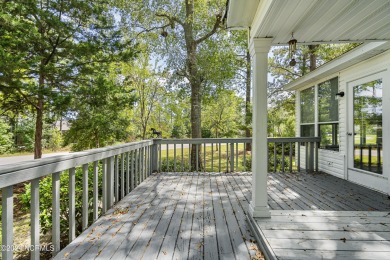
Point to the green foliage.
(222, 114)
(53, 139)
(6, 142)
(45, 200)
(101, 117)
(169, 166)
(65, 44)
(24, 130)
(278, 167)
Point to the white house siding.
(334, 162)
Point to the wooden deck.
(174, 216)
(197, 215)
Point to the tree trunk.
(313, 57)
(39, 106)
(196, 120)
(248, 112)
(39, 127)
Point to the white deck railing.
(229, 154)
(123, 168)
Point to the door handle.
(350, 134)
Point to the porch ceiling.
(314, 21)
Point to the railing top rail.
(235, 140)
(293, 139)
(203, 140)
(12, 174)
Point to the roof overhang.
(356, 55)
(312, 21)
(240, 13)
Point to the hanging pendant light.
(292, 47)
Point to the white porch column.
(259, 48)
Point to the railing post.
(7, 222)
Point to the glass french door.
(365, 127)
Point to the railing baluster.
(316, 155)
(227, 157)
(132, 175)
(140, 166)
(174, 157)
(110, 181)
(298, 147)
(167, 157)
(143, 163)
(72, 204)
(56, 213)
(85, 197)
(148, 161)
(244, 156)
(116, 178)
(136, 168)
(182, 157)
(104, 184)
(35, 218)
(212, 157)
(127, 173)
(123, 175)
(95, 187)
(231, 157)
(307, 156)
(197, 157)
(204, 157)
(7, 222)
(275, 157)
(283, 160)
(219, 157)
(290, 158)
(189, 156)
(160, 158)
(378, 153)
(236, 157)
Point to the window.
(328, 114)
(307, 106)
(328, 106)
(327, 122)
(329, 134)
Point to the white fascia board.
(240, 13)
(361, 53)
(261, 14)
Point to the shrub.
(170, 166)
(45, 192)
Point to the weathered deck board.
(325, 234)
(202, 216)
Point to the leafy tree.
(49, 47)
(222, 114)
(192, 46)
(148, 88)
(6, 142)
(100, 111)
